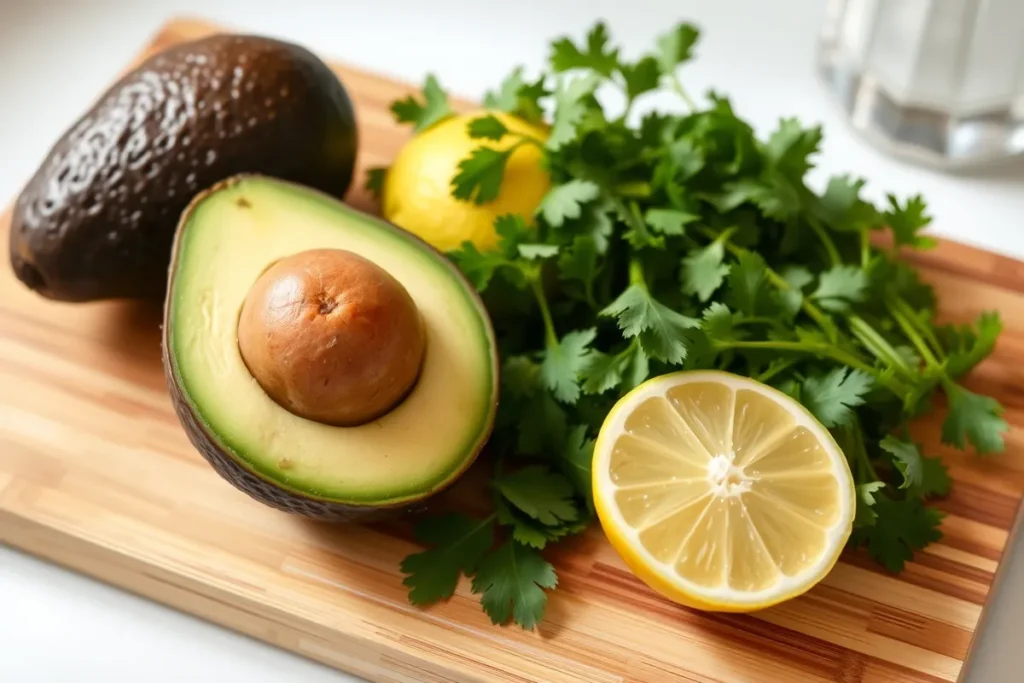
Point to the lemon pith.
(720, 492)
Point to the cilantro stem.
(636, 274)
(830, 246)
(809, 308)
(880, 347)
(827, 350)
(908, 329)
(550, 336)
(677, 85)
(776, 369)
(634, 189)
(897, 304)
(865, 468)
(529, 139)
(865, 248)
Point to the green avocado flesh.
(226, 240)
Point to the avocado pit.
(331, 337)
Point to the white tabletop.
(56, 55)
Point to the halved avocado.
(333, 306)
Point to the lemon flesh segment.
(721, 492)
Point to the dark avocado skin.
(97, 219)
(263, 491)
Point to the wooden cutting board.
(96, 475)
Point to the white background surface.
(55, 57)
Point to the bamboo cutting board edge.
(220, 600)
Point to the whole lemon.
(417, 193)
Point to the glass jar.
(940, 82)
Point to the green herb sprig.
(684, 241)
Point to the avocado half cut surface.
(252, 250)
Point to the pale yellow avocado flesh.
(230, 237)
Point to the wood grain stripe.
(973, 265)
(843, 617)
(917, 574)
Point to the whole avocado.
(97, 219)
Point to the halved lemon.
(721, 492)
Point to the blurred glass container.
(939, 82)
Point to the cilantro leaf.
(790, 147)
(669, 221)
(599, 224)
(375, 178)
(773, 195)
(680, 161)
(641, 77)
(676, 46)
(797, 277)
(565, 55)
(840, 196)
(703, 270)
(909, 526)
(907, 459)
(528, 531)
(517, 96)
(843, 209)
(577, 457)
(638, 235)
(975, 419)
(512, 231)
(479, 267)
(569, 109)
(579, 263)
(487, 127)
(563, 363)
(422, 115)
(566, 201)
(545, 495)
(602, 372)
(661, 330)
(718, 322)
(510, 581)
(459, 543)
(748, 290)
(968, 348)
(866, 496)
(935, 479)
(839, 287)
(907, 221)
(637, 367)
(525, 529)
(539, 421)
(480, 175)
(832, 396)
(506, 97)
(532, 252)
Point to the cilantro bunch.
(684, 241)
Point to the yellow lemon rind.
(660, 577)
